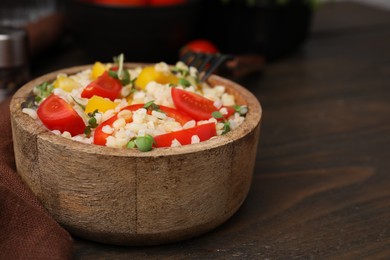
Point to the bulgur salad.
(145, 107)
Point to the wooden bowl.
(127, 197)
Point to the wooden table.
(321, 186)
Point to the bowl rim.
(252, 120)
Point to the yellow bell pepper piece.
(98, 69)
(99, 103)
(149, 74)
(65, 83)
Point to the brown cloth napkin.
(26, 229)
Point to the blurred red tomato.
(199, 45)
(121, 2)
(166, 2)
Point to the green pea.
(130, 144)
(144, 143)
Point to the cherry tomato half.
(204, 132)
(199, 45)
(196, 106)
(56, 114)
(104, 86)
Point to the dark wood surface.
(321, 186)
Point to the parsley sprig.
(42, 91)
(184, 82)
(226, 123)
(183, 72)
(152, 106)
(185, 78)
(242, 110)
(39, 93)
(121, 74)
(78, 103)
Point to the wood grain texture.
(126, 197)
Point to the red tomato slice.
(198, 107)
(134, 107)
(100, 137)
(103, 86)
(176, 114)
(204, 132)
(56, 114)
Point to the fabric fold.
(27, 231)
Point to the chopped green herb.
(78, 103)
(92, 114)
(113, 74)
(87, 131)
(175, 70)
(182, 72)
(132, 90)
(152, 106)
(226, 127)
(42, 91)
(37, 99)
(125, 78)
(121, 74)
(184, 82)
(226, 123)
(242, 110)
(92, 123)
(217, 115)
(148, 104)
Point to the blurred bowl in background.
(271, 28)
(142, 33)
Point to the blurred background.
(254, 31)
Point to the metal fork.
(205, 62)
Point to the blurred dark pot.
(143, 34)
(269, 29)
